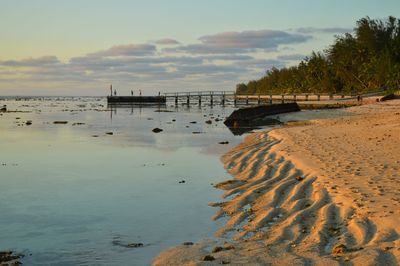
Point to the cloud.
(167, 41)
(291, 57)
(217, 61)
(241, 42)
(332, 30)
(32, 62)
(126, 50)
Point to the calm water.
(67, 197)
(70, 194)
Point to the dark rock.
(60, 122)
(109, 133)
(78, 124)
(134, 245)
(95, 136)
(182, 181)
(217, 249)
(28, 123)
(196, 132)
(223, 142)
(208, 258)
(157, 130)
(193, 122)
(9, 257)
(128, 245)
(188, 243)
(173, 120)
(299, 178)
(208, 122)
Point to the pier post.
(319, 97)
(188, 99)
(199, 99)
(176, 99)
(259, 99)
(247, 99)
(283, 98)
(211, 98)
(234, 99)
(270, 99)
(295, 97)
(223, 98)
(306, 97)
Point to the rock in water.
(157, 130)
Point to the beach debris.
(209, 122)
(219, 248)
(334, 231)
(157, 130)
(229, 184)
(223, 142)
(173, 120)
(208, 258)
(196, 132)
(28, 123)
(3, 109)
(339, 249)
(217, 204)
(60, 122)
(109, 133)
(182, 182)
(299, 178)
(78, 124)
(187, 243)
(95, 136)
(193, 122)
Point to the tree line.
(367, 60)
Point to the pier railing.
(221, 97)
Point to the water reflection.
(67, 195)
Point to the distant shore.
(321, 192)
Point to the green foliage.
(365, 61)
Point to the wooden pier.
(223, 97)
(199, 97)
(136, 99)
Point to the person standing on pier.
(131, 92)
(111, 90)
(115, 92)
(140, 92)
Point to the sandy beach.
(321, 192)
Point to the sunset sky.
(80, 47)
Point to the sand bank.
(325, 192)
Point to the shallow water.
(72, 195)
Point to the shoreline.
(323, 192)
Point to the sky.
(77, 47)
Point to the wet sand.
(322, 192)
